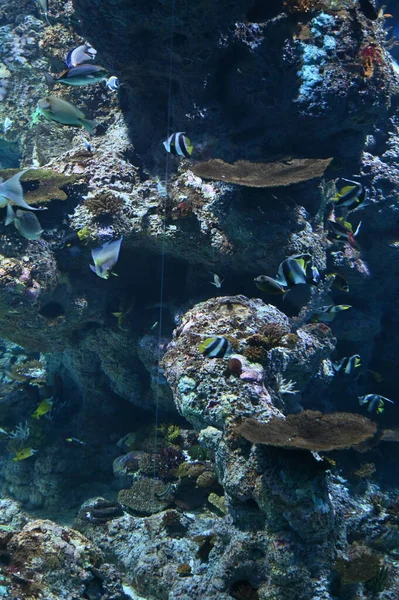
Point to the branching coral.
(310, 430)
(252, 174)
(285, 387)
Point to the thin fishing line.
(162, 282)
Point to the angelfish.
(11, 190)
(26, 223)
(105, 258)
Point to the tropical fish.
(350, 196)
(347, 365)
(65, 113)
(326, 314)
(297, 269)
(113, 83)
(80, 55)
(105, 257)
(342, 230)
(24, 453)
(215, 347)
(73, 440)
(7, 124)
(375, 402)
(26, 223)
(80, 75)
(76, 236)
(340, 282)
(179, 144)
(269, 285)
(44, 407)
(87, 145)
(161, 188)
(11, 190)
(217, 282)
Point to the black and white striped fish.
(215, 347)
(347, 365)
(179, 144)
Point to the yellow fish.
(44, 407)
(24, 453)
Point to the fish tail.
(88, 125)
(49, 80)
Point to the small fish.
(297, 269)
(215, 347)
(11, 190)
(76, 76)
(327, 314)
(217, 282)
(25, 222)
(347, 365)
(113, 83)
(375, 402)
(340, 282)
(80, 55)
(161, 188)
(24, 453)
(179, 145)
(73, 440)
(165, 492)
(44, 407)
(154, 325)
(87, 145)
(269, 285)
(7, 124)
(350, 196)
(342, 230)
(105, 258)
(63, 112)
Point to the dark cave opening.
(52, 310)
(263, 10)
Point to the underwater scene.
(199, 308)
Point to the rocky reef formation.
(260, 479)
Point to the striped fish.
(350, 196)
(375, 402)
(215, 347)
(347, 365)
(326, 314)
(297, 269)
(179, 144)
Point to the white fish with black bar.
(80, 55)
(179, 144)
(113, 83)
(11, 190)
(63, 112)
(25, 222)
(105, 258)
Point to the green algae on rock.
(42, 185)
(262, 175)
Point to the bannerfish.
(217, 282)
(269, 285)
(105, 258)
(350, 196)
(80, 55)
(11, 190)
(26, 223)
(44, 407)
(342, 231)
(7, 124)
(80, 75)
(24, 453)
(340, 282)
(113, 83)
(65, 113)
(327, 314)
(179, 145)
(215, 347)
(297, 269)
(375, 402)
(347, 365)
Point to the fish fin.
(357, 229)
(114, 274)
(88, 125)
(12, 190)
(93, 269)
(50, 80)
(10, 217)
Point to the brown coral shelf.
(257, 174)
(42, 185)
